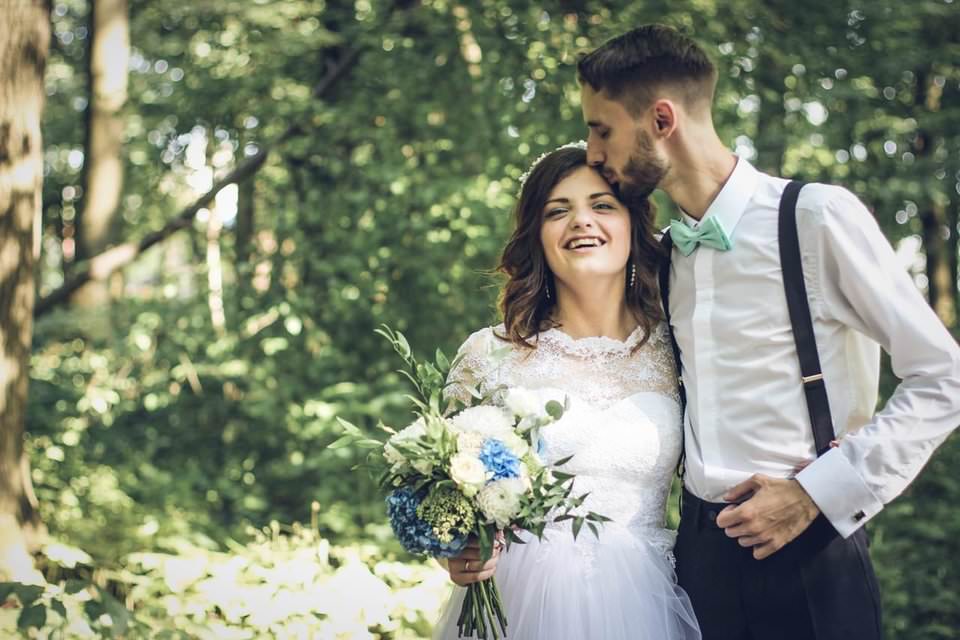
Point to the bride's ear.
(665, 117)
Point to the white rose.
(488, 420)
(500, 500)
(517, 445)
(409, 434)
(470, 443)
(523, 403)
(468, 472)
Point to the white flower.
(406, 436)
(490, 421)
(517, 445)
(468, 472)
(500, 500)
(470, 443)
(523, 403)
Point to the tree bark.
(24, 42)
(99, 267)
(108, 58)
(941, 284)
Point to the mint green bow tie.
(709, 233)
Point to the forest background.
(236, 194)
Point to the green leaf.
(93, 609)
(486, 543)
(442, 363)
(577, 524)
(7, 588)
(32, 616)
(593, 527)
(57, 606)
(75, 586)
(118, 613)
(28, 593)
(554, 409)
(563, 461)
(350, 428)
(342, 442)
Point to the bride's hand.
(469, 567)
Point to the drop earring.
(633, 275)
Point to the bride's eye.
(553, 213)
(603, 205)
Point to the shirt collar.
(731, 202)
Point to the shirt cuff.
(838, 491)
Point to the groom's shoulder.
(831, 210)
(817, 196)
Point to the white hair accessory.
(579, 144)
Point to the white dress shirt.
(746, 410)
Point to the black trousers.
(818, 587)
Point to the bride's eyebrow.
(601, 194)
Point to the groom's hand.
(778, 511)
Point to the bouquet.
(468, 469)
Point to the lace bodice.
(623, 426)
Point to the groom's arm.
(863, 286)
(860, 283)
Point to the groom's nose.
(595, 157)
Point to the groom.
(771, 542)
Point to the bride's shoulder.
(483, 340)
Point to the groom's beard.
(643, 172)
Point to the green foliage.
(284, 583)
(152, 430)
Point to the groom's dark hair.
(634, 67)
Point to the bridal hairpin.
(579, 144)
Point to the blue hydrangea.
(414, 534)
(499, 460)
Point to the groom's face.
(619, 147)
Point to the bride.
(582, 321)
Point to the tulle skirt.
(620, 587)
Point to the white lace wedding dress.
(623, 428)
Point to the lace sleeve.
(473, 360)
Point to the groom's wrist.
(839, 492)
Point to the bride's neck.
(594, 311)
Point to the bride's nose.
(582, 218)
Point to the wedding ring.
(466, 565)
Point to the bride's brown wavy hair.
(524, 303)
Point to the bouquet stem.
(482, 612)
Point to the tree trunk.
(941, 287)
(24, 43)
(108, 56)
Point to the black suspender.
(796, 290)
(666, 243)
(800, 319)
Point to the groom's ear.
(665, 115)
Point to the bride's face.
(586, 230)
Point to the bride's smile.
(586, 231)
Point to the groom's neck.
(700, 165)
